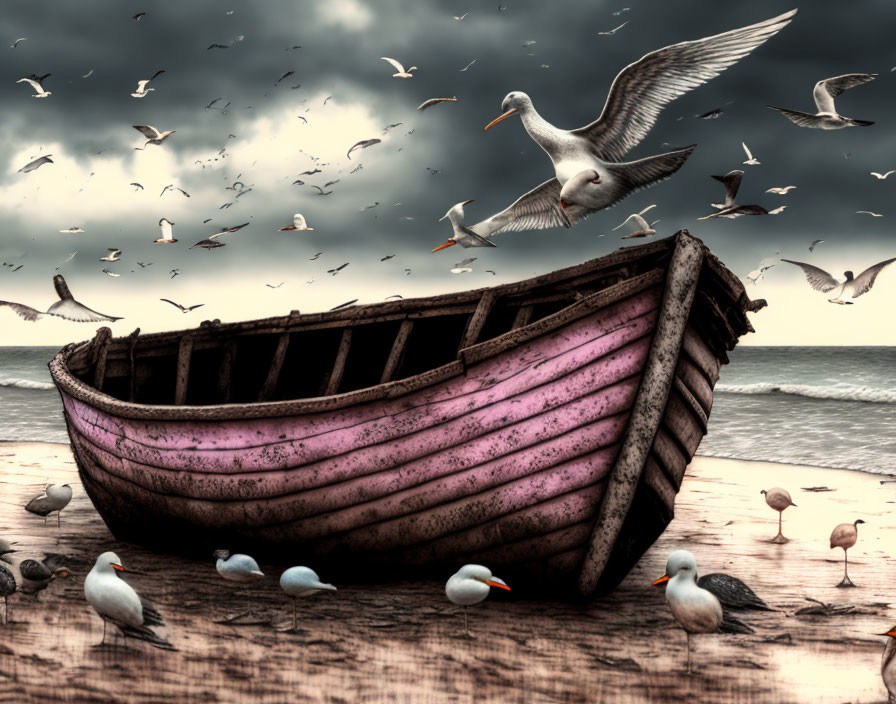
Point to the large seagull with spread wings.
(66, 307)
(589, 172)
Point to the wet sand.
(400, 642)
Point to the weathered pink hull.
(506, 463)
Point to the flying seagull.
(868, 212)
(781, 191)
(17, 42)
(757, 274)
(363, 144)
(822, 281)
(638, 225)
(435, 101)
(824, 93)
(277, 286)
(153, 136)
(66, 307)
(814, 244)
(137, 186)
(142, 91)
(614, 30)
(462, 16)
(401, 73)
(137, 17)
(39, 91)
(113, 256)
(183, 309)
(751, 160)
(167, 232)
(36, 164)
(212, 241)
(73, 230)
(730, 209)
(714, 114)
(467, 66)
(337, 269)
(589, 175)
(298, 223)
(321, 191)
(111, 273)
(881, 177)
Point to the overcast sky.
(428, 162)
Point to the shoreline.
(399, 641)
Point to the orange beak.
(442, 246)
(661, 580)
(492, 583)
(467, 201)
(286, 228)
(117, 567)
(891, 632)
(498, 119)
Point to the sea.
(819, 406)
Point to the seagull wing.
(26, 312)
(623, 223)
(176, 305)
(198, 305)
(227, 231)
(398, 66)
(825, 91)
(731, 182)
(141, 86)
(865, 280)
(70, 309)
(641, 90)
(818, 278)
(747, 150)
(538, 209)
(149, 131)
(37, 87)
(803, 119)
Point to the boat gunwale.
(69, 384)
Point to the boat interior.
(321, 354)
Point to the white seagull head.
(514, 102)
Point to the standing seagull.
(7, 589)
(470, 585)
(778, 499)
(845, 536)
(153, 136)
(238, 568)
(37, 576)
(298, 223)
(55, 498)
(695, 609)
(888, 665)
(401, 73)
(824, 93)
(589, 175)
(751, 160)
(142, 91)
(299, 582)
(38, 89)
(116, 602)
(167, 232)
(822, 281)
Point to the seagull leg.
(779, 538)
(295, 623)
(103, 641)
(466, 628)
(688, 647)
(846, 582)
(59, 519)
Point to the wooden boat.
(540, 427)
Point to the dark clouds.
(341, 58)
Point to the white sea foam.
(25, 384)
(837, 392)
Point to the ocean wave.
(819, 462)
(839, 392)
(25, 384)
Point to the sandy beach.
(400, 642)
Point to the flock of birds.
(590, 173)
(117, 603)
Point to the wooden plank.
(477, 320)
(523, 316)
(103, 335)
(270, 381)
(398, 348)
(132, 364)
(184, 353)
(339, 364)
(650, 405)
(226, 371)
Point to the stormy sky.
(425, 164)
